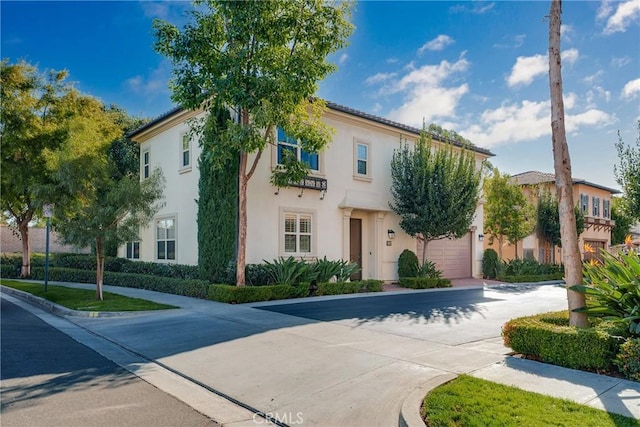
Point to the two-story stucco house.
(594, 201)
(341, 212)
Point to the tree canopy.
(435, 190)
(628, 174)
(263, 60)
(33, 120)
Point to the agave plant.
(289, 271)
(325, 269)
(347, 269)
(612, 288)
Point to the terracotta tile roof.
(536, 177)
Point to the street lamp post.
(47, 210)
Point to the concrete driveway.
(340, 361)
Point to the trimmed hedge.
(186, 287)
(339, 288)
(549, 338)
(532, 278)
(231, 294)
(112, 264)
(424, 282)
(238, 295)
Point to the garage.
(451, 256)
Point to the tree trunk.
(562, 166)
(500, 242)
(425, 245)
(23, 227)
(516, 245)
(242, 220)
(99, 268)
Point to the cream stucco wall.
(348, 196)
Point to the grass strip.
(468, 401)
(84, 299)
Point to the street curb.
(64, 311)
(410, 410)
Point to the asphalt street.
(48, 379)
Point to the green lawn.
(85, 300)
(470, 402)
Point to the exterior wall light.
(391, 233)
(481, 237)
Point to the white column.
(379, 240)
(346, 227)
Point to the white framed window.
(287, 143)
(166, 239)
(146, 164)
(133, 250)
(584, 203)
(606, 209)
(596, 206)
(361, 160)
(185, 153)
(298, 233)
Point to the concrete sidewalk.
(333, 373)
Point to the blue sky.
(479, 68)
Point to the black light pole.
(48, 213)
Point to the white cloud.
(379, 78)
(527, 68)
(439, 43)
(376, 108)
(426, 94)
(631, 89)
(518, 40)
(604, 10)
(626, 13)
(156, 83)
(566, 31)
(478, 8)
(621, 61)
(343, 58)
(528, 121)
(392, 60)
(593, 77)
(597, 92)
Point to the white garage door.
(452, 257)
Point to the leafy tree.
(507, 212)
(548, 220)
(620, 214)
(262, 59)
(32, 120)
(628, 174)
(96, 202)
(562, 165)
(435, 190)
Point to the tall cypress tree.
(217, 200)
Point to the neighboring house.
(11, 242)
(594, 201)
(341, 211)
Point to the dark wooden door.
(355, 245)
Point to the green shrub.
(187, 287)
(612, 289)
(243, 294)
(323, 270)
(338, 288)
(430, 271)
(549, 338)
(490, 264)
(424, 282)
(256, 275)
(9, 271)
(289, 271)
(628, 359)
(531, 278)
(408, 265)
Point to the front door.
(355, 245)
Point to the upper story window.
(596, 206)
(166, 239)
(185, 152)
(145, 164)
(287, 143)
(361, 159)
(606, 208)
(584, 203)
